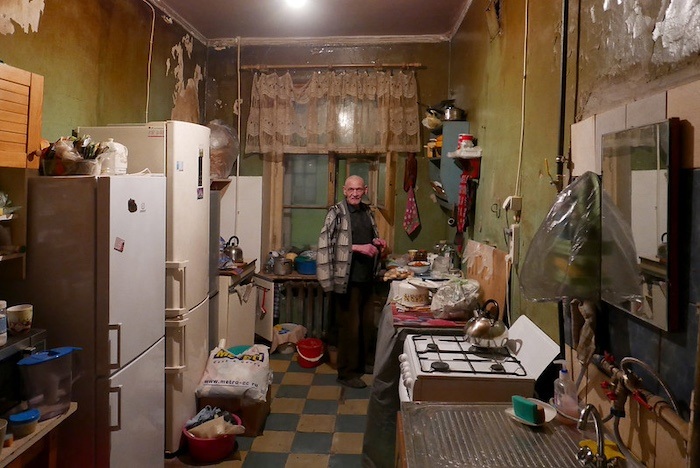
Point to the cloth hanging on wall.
(411, 220)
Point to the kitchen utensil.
(454, 113)
(233, 250)
(19, 318)
(486, 329)
(283, 266)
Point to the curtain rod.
(333, 66)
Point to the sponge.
(527, 410)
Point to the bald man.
(349, 249)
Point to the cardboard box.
(253, 416)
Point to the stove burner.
(498, 367)
(440, 366)
(432, 347)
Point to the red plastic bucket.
(310, 352)
(211, 450)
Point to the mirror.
(640, 172)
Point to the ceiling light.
(296, 3)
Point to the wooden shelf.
(44, 428)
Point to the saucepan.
(487, 329)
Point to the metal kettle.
(487, 329)
(233, 251)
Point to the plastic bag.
(564, 258)
(223, 149)
(456, 300)
(245, 376)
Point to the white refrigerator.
(95, 253)
(180, 150)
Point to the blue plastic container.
(47, 379)
(305, 265)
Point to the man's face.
(354, 190)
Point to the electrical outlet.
(514, 243)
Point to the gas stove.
(451, 369)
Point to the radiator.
(303, 303)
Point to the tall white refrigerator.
(95, 253)
(180, 150)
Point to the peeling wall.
(632, 47)
(94, 57)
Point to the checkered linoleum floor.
(314, 422)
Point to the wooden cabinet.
(21, 101)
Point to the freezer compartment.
(131, 414)
(187, 351)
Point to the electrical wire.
(522, 102)
(237, 112)
(150, 58)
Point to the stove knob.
(408, 382)
(403, 357)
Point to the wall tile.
(645, 111)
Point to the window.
(314, 182)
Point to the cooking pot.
(233, 251)
(282, 266)
(454, 113)
(486, 328)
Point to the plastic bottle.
(565, 394)
(3, 323)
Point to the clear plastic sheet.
(224, 147)
(572, 244)
(456, 300)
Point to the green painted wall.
(93, 55)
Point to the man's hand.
(379, 243)
(365, 249)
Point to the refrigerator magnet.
(119, 244)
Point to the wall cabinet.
(21, 101)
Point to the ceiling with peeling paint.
(348, 21)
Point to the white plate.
(423, 283)
(549, 413)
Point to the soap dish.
(549, 413)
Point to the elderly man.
(349, 248)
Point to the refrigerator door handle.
(178, 266)
(118, 404)
(179, 324)
(118, 353)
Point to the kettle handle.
(230, 239)
(499, 312)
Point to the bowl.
(213, 449)
(419, 267)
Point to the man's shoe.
(354, 382)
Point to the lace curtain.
(349, 112)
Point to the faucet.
(585, 455)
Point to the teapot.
(233, 251)
(487, 330)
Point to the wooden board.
(488, 266)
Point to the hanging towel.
(411, 220)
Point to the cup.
(412, 254)
(19, 318)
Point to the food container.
(24, 423)
(282, 266)
(47, 380)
